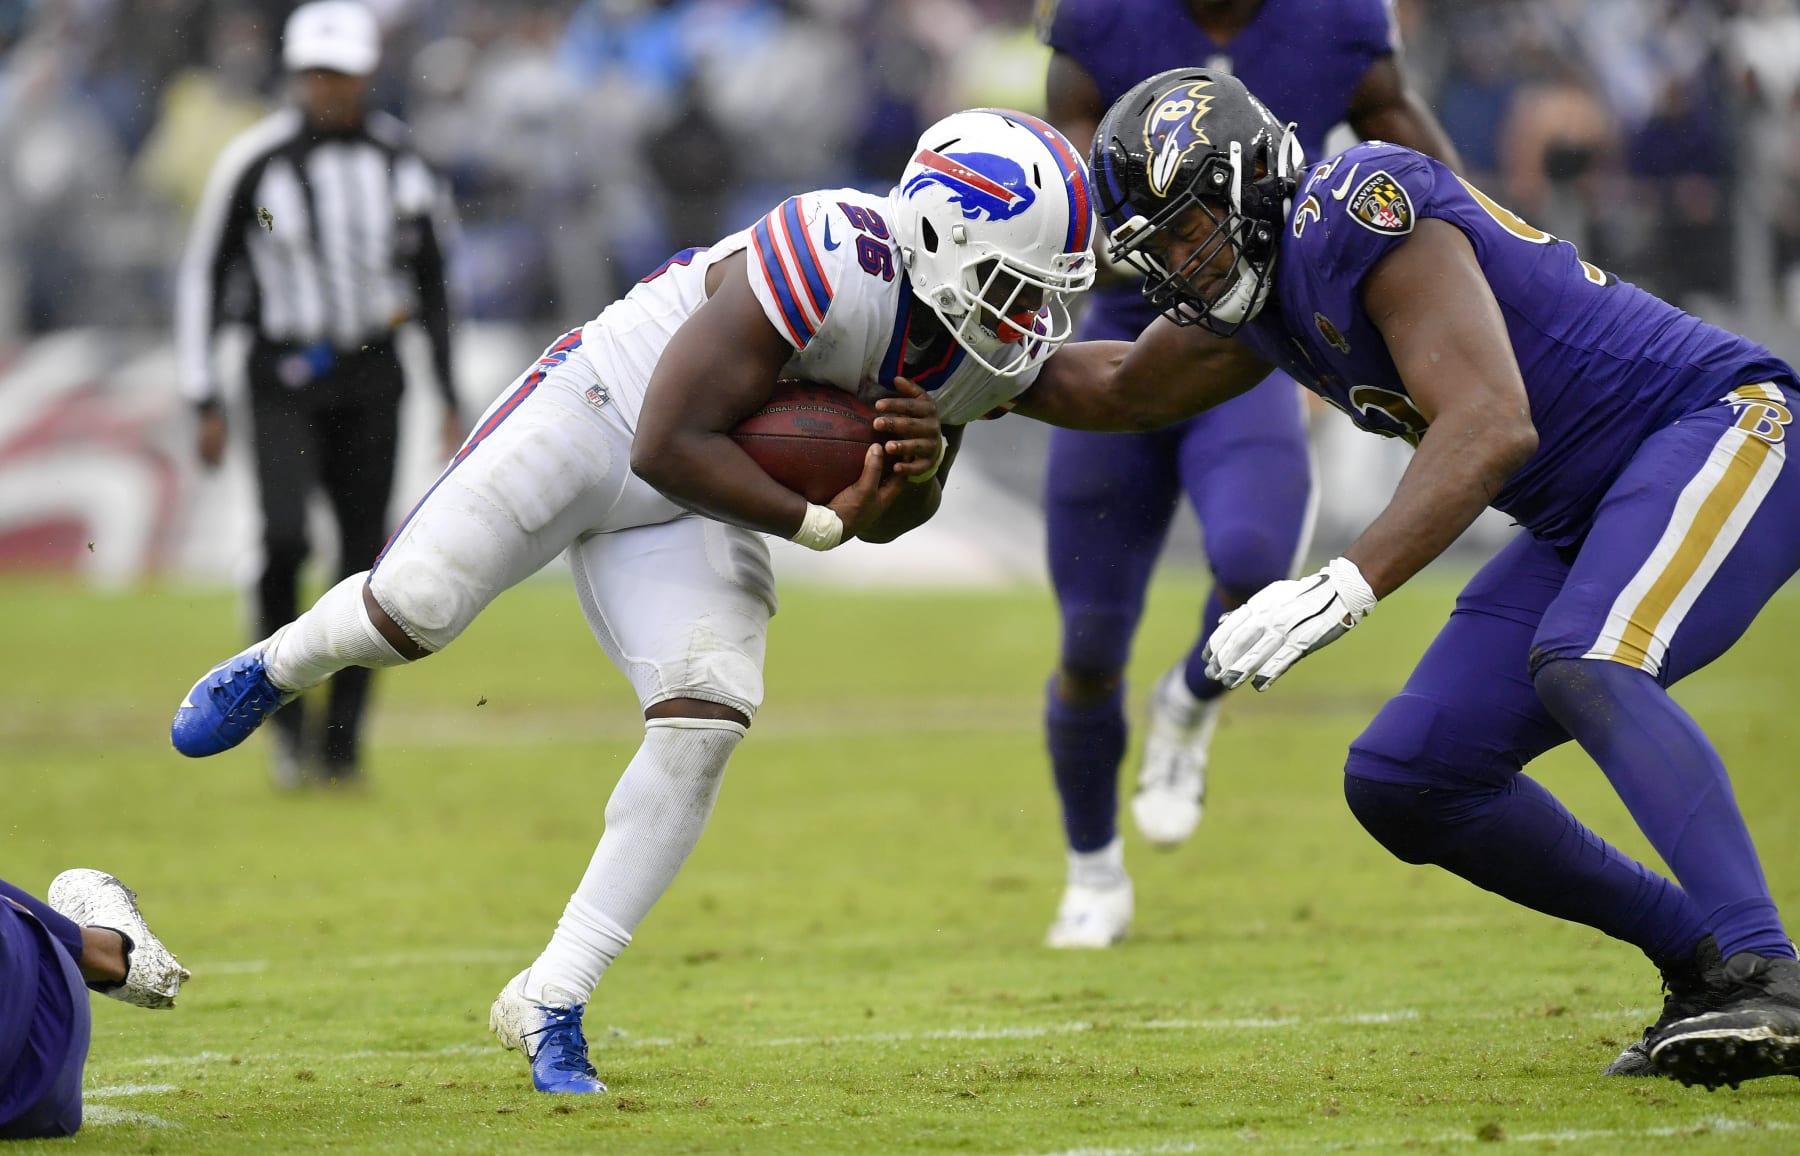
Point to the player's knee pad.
(1416, 740)
(1571, 688)
(430, 604)
(1246, 558)
(1416, 824)
(1096, 642)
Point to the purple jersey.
(1302, 58)
(1605, 364)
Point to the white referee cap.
(339, 35)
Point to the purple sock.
(1674, 784)
(1087, 744)
(1200, 686)
(65, 931)
(1518, 841)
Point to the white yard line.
(105, 1115)
(609, 1038)
(1242, 1140)
(112, 1090)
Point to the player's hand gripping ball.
(810, 438)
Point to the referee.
(320, 227)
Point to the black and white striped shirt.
(314, 237)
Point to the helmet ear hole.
(928, 236)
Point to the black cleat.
(1754, 1033)
(1691, 986)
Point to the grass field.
(851, 961)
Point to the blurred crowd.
(585, 140)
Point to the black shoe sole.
(1726, 1058)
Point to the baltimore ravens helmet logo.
(1381, 205)
(1173, 130)
(983, 184)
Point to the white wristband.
(822, 528)
(943, 446)
(1351, 587)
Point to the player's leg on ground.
(357, 473)
(1695, 536)
(1109, 499)
(1436, 776)
(286, 453)
(45, 1051)
(682, 609)
(1247, 469)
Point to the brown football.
(809, 437)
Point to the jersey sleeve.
(1371, 28)
(1075, 26)
(1368, 201)
(796, 265)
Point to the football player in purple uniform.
(1110, 497)
(1643, 452)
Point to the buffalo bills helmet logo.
(982, 184)
(1173, 131)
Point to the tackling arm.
(1170, 373)
(1443, 328)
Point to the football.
(811, 438)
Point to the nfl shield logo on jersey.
(1380, 204)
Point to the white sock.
(1183, 707)
(334, 634)
(1104, 868)
(653, 821)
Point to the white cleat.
(550, 1035)
(1092, 917)
(95, 899)
(1171, 792)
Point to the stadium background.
(587, 140)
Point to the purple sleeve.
(1370, 26)
(1075, 26)
(1366, 202)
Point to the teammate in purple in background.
(1244, 466)
(1643, 451)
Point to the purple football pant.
(1547, 644)
(45, 1028)
(1110, 499)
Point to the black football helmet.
(1196, 137)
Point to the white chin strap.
(1246, 297)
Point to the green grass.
(851, 961)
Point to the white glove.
(1286, 621)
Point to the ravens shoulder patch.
(1380, 204)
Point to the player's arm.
(1385, 107)
(1170, 373)
(718, 369)
(1443, 328)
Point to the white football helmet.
(994, 216)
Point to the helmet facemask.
(1000, 303)
(1247, 199)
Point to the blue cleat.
(550, 1037)
(226, 705)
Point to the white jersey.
(827, 271)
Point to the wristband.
(943, 447)
(821, 529)
(1358, 598)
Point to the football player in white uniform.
(937, 302)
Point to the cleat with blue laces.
(550, 1036)
(226, 705)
